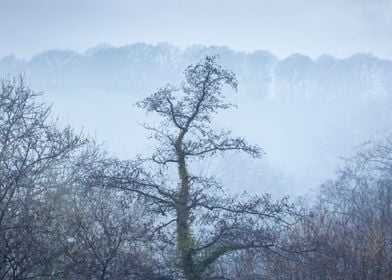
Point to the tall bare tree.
(205, 221)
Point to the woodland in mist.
(71, 210)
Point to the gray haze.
(311, 27)
(306, 114)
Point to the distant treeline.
(138, 67)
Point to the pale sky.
(311, 27)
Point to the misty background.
(315, 77)
(312, 27)
(306, 114)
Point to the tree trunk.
(185, 242)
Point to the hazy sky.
(312, 27)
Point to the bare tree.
(350, 224)
(32, 149)
(206, 222)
